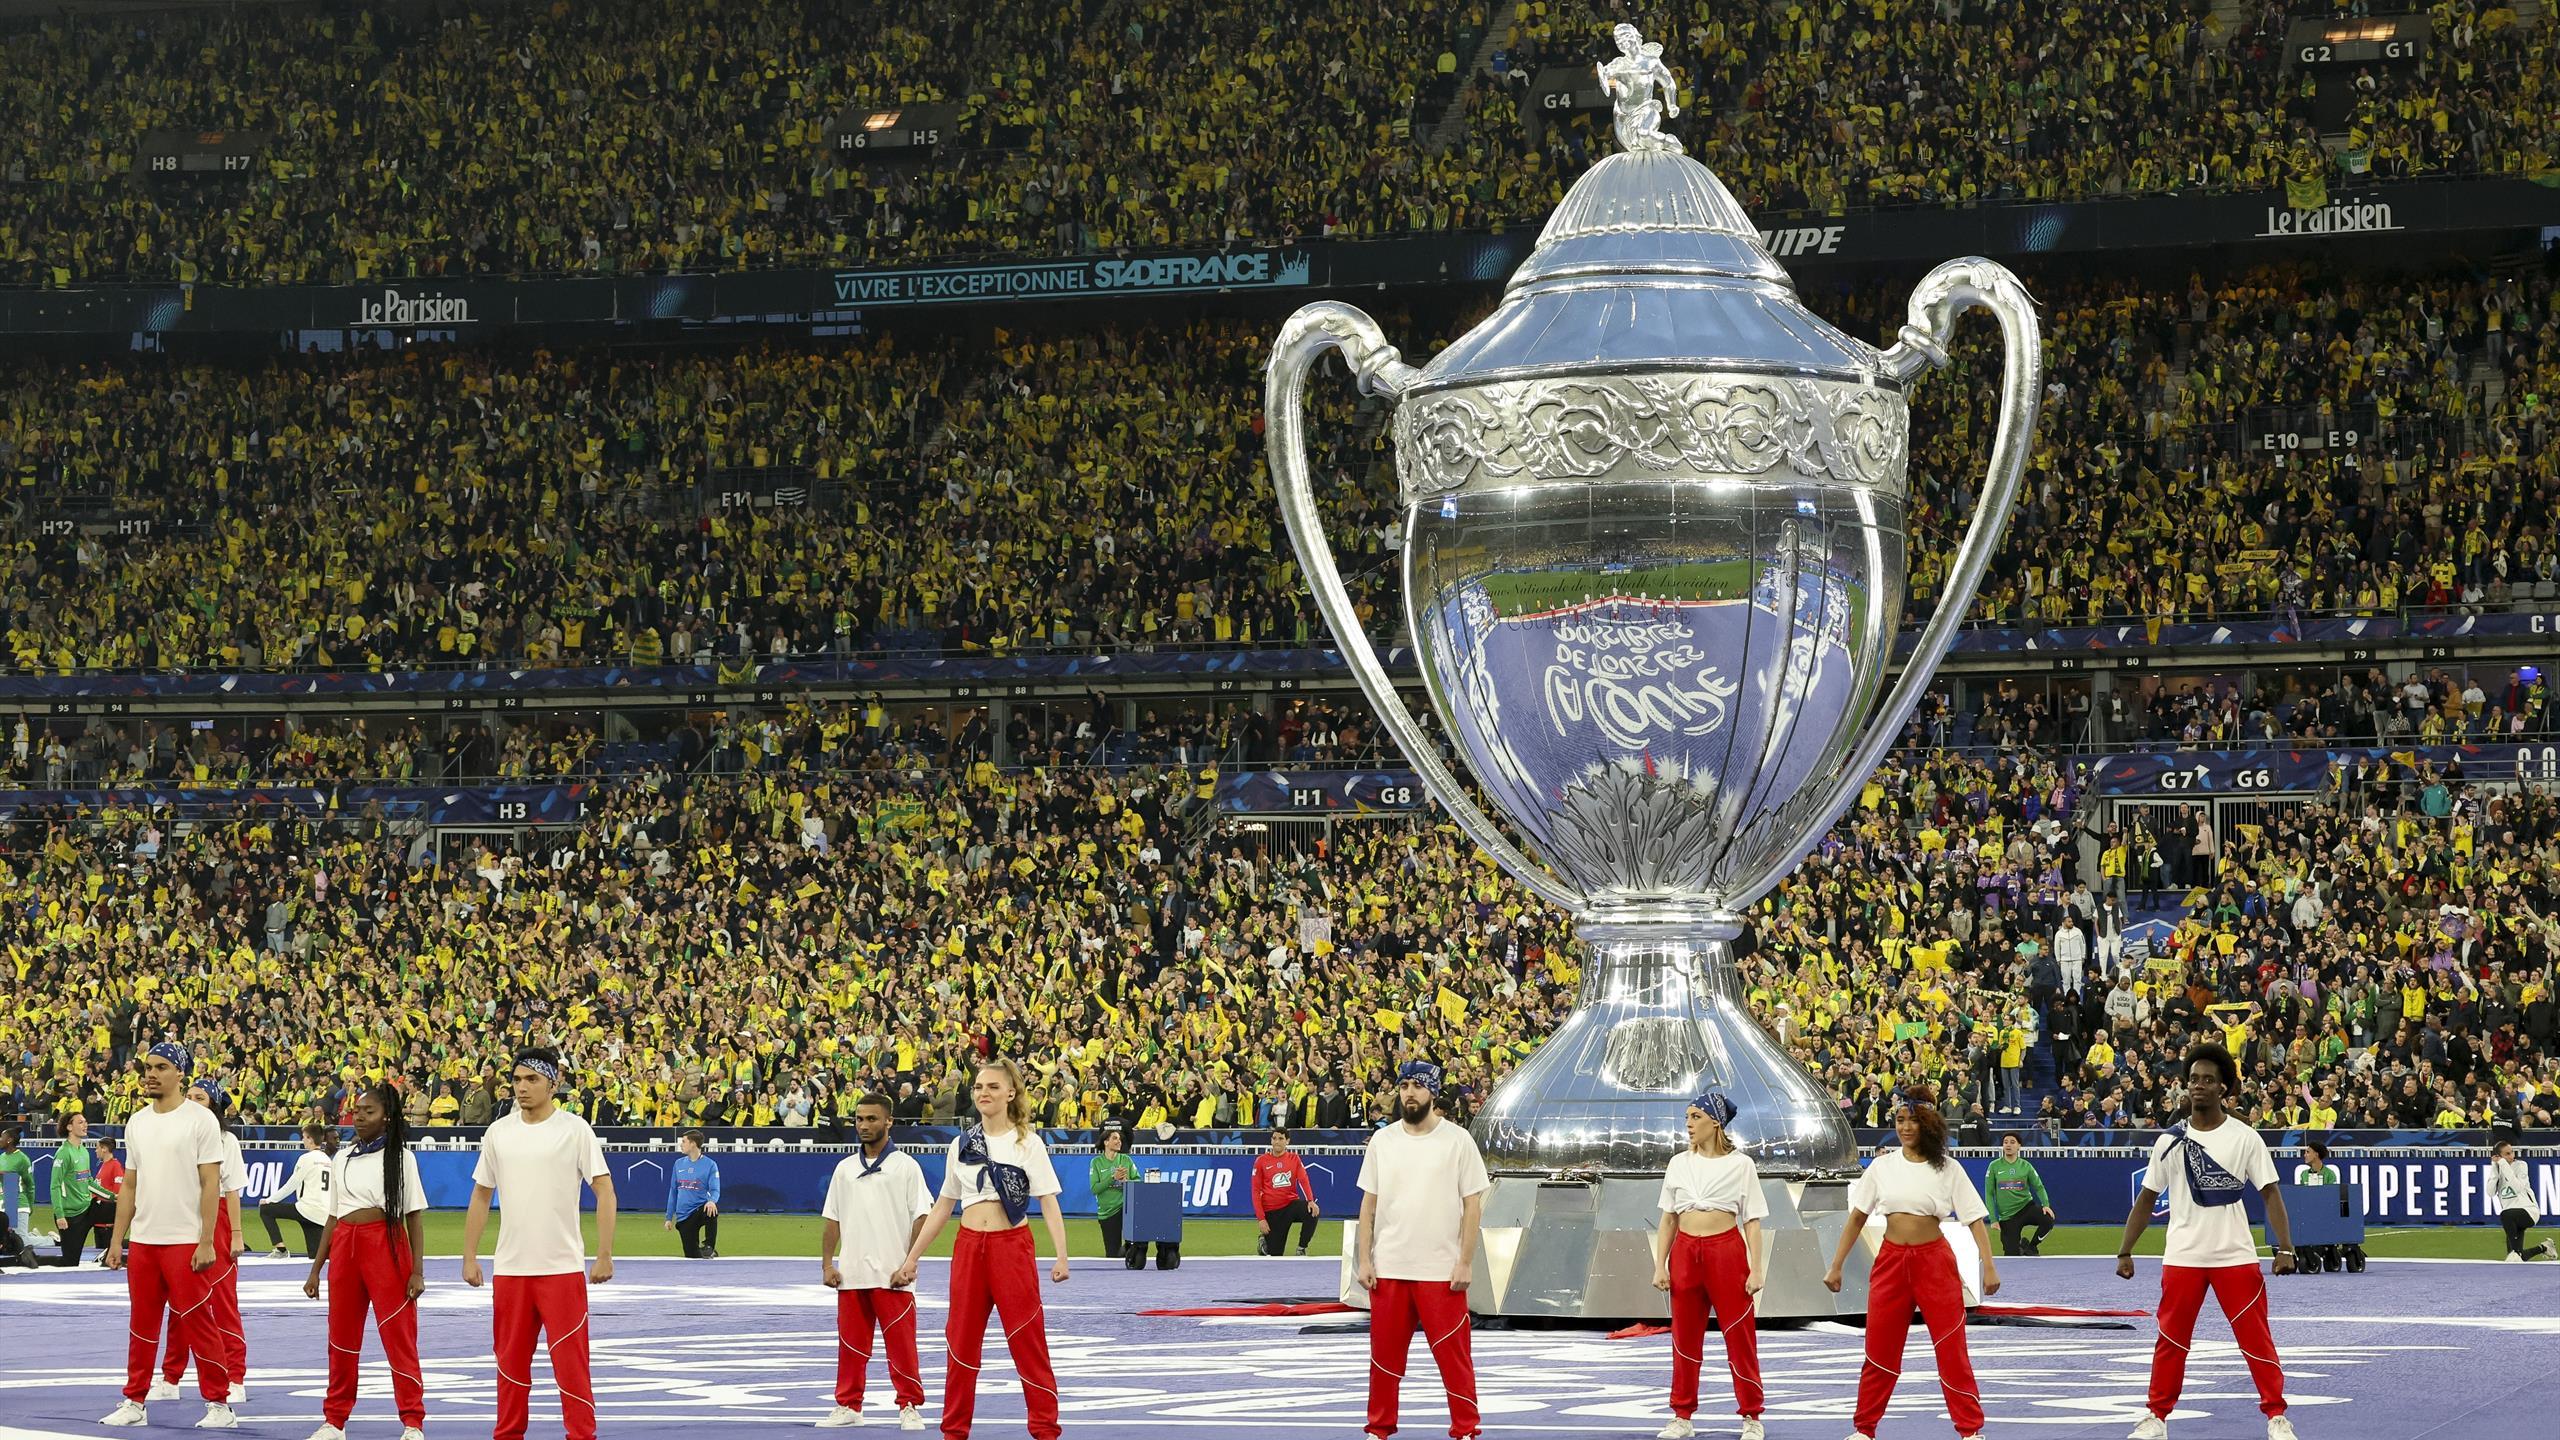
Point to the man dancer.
(1422, 1187)
(169, 1207)
(538, 1154)
(2204, 1166)
(1282, 1197)
(876, 1201)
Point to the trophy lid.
(1649, 264)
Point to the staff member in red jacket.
(1283, 1196)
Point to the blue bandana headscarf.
(1422, 1071)
(1011, 1183)
(1714, 1105)
(543, 1068)
(216, 1099)
(175, 1054)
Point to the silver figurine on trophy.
(1653, 571)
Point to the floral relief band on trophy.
(1654, 564)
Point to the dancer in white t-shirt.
(170, 1206)
(225, 1327)
(1713, 1260)
(995, 1170)
(1422, 1187)
(875, 1207)
(2205, 1166)
(1915, 1188)
(537, 1155)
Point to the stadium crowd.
(2390, 947)
(384, 144)
(1105, 490)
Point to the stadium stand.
(405, 142)
(2394, 940)
(1099, 490)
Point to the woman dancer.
(1713, 1261)
(995, 1170)
(371, 1249)
(1915, 1270)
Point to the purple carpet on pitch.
(746, 1347)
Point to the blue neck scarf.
(376, 1143)
(1011, 1183)
(871, 1167)
(2207, 1181)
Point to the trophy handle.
(1379, 371)
(1944, 294)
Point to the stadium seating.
(1104, 490)
(1153, 967)
(694, 137)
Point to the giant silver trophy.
(1653, 568)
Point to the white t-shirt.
(1896, 1184)
(536, 1170)
(969, 1184)
(1730, 1183)
(878, 1214)
(357, 1181)
(312, 1180)
(169, 1147)
(2209, 1236)
(235, 1170)
(1422, 1183)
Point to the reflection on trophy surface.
(1654, 559)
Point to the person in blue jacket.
(693, 1199)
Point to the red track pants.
(158, 1282)
(366, 1271)
(1395, 1307)
(1923, 1278)
(999, 1270)
(556, 1306)
(1707, 1274)
(2242, 1292)
(224, 1328)
(895, 1313)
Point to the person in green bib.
(80, 1203)
(2018, 1200)
(1112, 1169)
(17, 1193)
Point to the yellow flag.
(1389, 1020)
(1453, 1005)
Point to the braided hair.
(395, 1149)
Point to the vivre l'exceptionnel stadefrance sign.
(1070, 279)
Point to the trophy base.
(1583, 1251)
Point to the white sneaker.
(910, 1418)
(1751, 1430)
(328, 1431)
(2151, 1428)
(162, 1390)
(128, 1413)
(2279, 1428)
(239, 1393)
(218, 1417)
(2547, 1250)
(412, 1432)
(841, 1417)
(1678, 1429)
